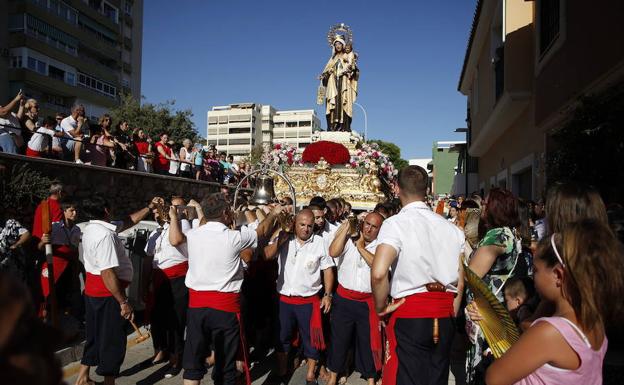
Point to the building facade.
(236, 128)
(72, 51)
(527, 65)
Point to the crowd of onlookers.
(511, 231)
(107, 143)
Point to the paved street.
(136, 370)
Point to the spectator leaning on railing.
(57, 148)
(143, 145)
(74, 126)
(163, 155)
(10, 129)
(30, 119)
(40, 143)
(186, 158)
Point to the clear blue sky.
(207, 53)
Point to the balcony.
(513, 70)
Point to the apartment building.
(63, 52)
(236, 128)
(527, 65)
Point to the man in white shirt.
(74, 126)
(214, 280)
(301, 258)
(423, 249)
(353, 310)
(109, 272)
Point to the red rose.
(333, 153)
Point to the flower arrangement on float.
(369, 154)
(282, 155)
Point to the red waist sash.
(316, 323)
(432, 304)
(95, 287)
(373, 319)
(61, 255)
(228, 302)
(33, 153)
(176, 271)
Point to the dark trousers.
(349, 321)
(105, 345)
(169, 315)
(291, 317)
(420, 361)
(204, 327)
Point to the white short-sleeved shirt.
(214, 257)
(61, 235)
(69, 124)
(300, 266)
(10, 124)
(41, 139)
(428, 249)
(353, 271)
(103, 249)
(165, 255)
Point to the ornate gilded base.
(363, 191)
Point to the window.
(305, 123)
(212, 131)
(110, 12)
(212, 142)
(70, 78)
(291, 124)
(549, 23)
(56, 73)
(97, 85)
(222, 142)
(37, 65)
(240, 141)
(128, 7)
(16, 62)
(278, 124)
(240, 130)
(50, 35)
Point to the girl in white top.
(40, 141)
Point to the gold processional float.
(364, 180)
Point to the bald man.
(301, 258)
(354, 310)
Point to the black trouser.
(420, 361)
(169, 315)
(350, 319)
(105, 345)
(205, 325)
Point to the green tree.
(392, 151)
(256, 154)
(157, 118)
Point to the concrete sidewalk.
(137, 369)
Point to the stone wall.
(126, 190)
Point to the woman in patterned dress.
(495, 260)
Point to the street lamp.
(365, 120)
